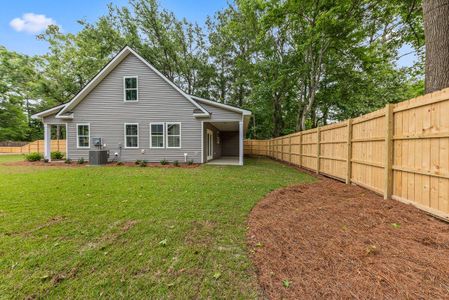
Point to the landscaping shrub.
(81, 161)
(57, 155)
(176, 163)
(46, 160)
(190, 162)
(143, 163)
(137, 162)
(164, 162)
(33, 156)
(119, 163)
(68, 161)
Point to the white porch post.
(241, 143)
(47, 141)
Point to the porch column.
(241, 143)
(47, 141)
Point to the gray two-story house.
(139, 114)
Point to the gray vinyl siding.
(217, 147)
(104, 108)
(106, 112)
(218, 113)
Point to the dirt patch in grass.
(50, 222)
(115, 231)
(331, 240)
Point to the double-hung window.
(131, 88)
(83, 136)
(131, 135)
(157, 135)
(173, 135)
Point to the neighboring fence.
(401, 151)
(36, 146)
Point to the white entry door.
(210, 144)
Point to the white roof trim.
(47, 112)
(107, 69)
(221, 105)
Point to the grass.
(120, 232)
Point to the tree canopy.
(295, 64)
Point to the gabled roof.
(221, 105)
(107, 69)
(48, 112)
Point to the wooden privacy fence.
(401, 151)
(36, 146)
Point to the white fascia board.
(224, 106)
(47, 112)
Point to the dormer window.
(130, 89)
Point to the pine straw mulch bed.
(61, 163)
(332, 240)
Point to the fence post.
(349, 153)
(318, 146)
(290, 149)
(388, 176)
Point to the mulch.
(335, 241)
(75, 164)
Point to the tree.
(436, 31)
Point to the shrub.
(164, 162)
(46, 160)
(137, 162)
(176, 163)
(81, 161)
(190, 162)
(119, 163)
(33, 156)
(143, 163)
(68, 161)
(57, 155)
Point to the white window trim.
(163, 135)
(124, 88)
(124, 133)
(77, 136)
(166, 134)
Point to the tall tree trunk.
(436, 32)
(277, 115)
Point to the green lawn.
(121, 232)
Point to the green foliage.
(68, 161)
(164, 162)
(81, 161)
(56, 155)
(176, 163)
(119, 163)
(143, 163)
(34, 156)
(138, 162)
(190, 162)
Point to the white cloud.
(31, 23)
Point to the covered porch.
(53, 132)
(223, 142)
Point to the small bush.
(81, 161)
(164, 162)
(33, 156)
(176, 163)
(46, 160)
(190, 162)
(57, 155)
(137, 162)
(119, 163)
(68, 161)
(143, 163)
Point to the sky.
(21, 20)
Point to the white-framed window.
(130, 89)
(131, 135)
(83, 136)
(173, 133)
(157, 135)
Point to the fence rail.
(400, 151)
(36, 146)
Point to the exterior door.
(210, 144)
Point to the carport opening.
(222, 143)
